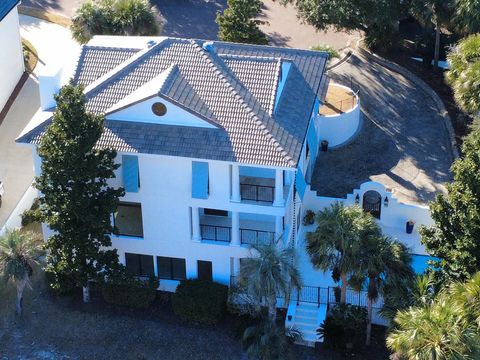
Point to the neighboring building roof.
(231, 85)
(6, 6)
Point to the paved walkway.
(403, 142)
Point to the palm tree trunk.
(86, 294)
(343, 292)
(20, 287)
(369, 321)
(272, 308)
(436, 54)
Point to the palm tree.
(464, 73)
(335, 244)
(271, 271)
(381, 259)
(446, 328)
(18, 253)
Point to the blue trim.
(199, 180)
(300, 183)
(129, 237)
(6, 6)
(419, 263)
(312, 141)
(130, 173)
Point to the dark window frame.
(141, 272)
(130, 204)
(171, 268)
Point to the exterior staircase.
(307, 318)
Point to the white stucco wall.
(11, 55)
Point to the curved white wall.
(338, 129)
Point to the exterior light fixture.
(357, 199)
(385, 202)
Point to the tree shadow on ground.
(190, 18)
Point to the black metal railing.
(313, 294)
(216, 233)
(358, 298)
(263, 193)
(255, 237)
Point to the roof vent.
(151, 43)
(208, 46)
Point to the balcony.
(257, 189)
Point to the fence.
(257, 192)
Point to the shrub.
(382, 38)
(332, 53)
(31, 215)
(59, 284)
(344, 327)
(308, 218)
(130, 291)
(201, 302)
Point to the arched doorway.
(372, 203)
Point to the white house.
(11, 56)
(217, 142)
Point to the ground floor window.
(139, 265)
(204, 270)
(128, 219)
(171, 268)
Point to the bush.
(31, 215)
(200, 302)
(130, 292)
(344, 327)
(382, 38)
(332, 53)
(308, 218)
(59, 284)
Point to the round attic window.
(159, 109)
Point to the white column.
(278, 188)
(235, 229)
(196, 236)
(278, 227)
(236, 183)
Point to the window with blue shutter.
(300, 183)
(312, 141)
(130, 173)
(199, 180)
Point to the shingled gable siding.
(199, 180)
(130, 173)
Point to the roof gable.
(6, 6)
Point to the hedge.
(130, 292)
(200, 302)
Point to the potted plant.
(308, 218)
(409, 226)
(324, 145)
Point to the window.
(215, 212)
(128, 220)
(159, 109)
(139, 265)
(204, 270)
(171, 268)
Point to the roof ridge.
(259, 122)
(274, 48)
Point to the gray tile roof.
(233, 86)
(6, 6)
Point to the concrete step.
(306, 320)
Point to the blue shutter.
(300, 183)
(130, 173)
(199, 180)
(312, 141)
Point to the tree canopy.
(115, 17)
(454, 238)
(76, 200)
(239, 22)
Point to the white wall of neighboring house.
(11, 55)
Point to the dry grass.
(45, 15)
(338, 100)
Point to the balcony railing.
(216, 233)
(253, 237)
(252, 192)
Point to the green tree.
(442, 330)
(239, 22)
(115, 17)
(381, 260)
(378, 19)
(19, 252)
(433, 15)
(76, 200)
(270, 271)
(454, 237)
(464, 73)
(467, 16)
(335, 244)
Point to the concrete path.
(403, 142)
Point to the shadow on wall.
(190, 18)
